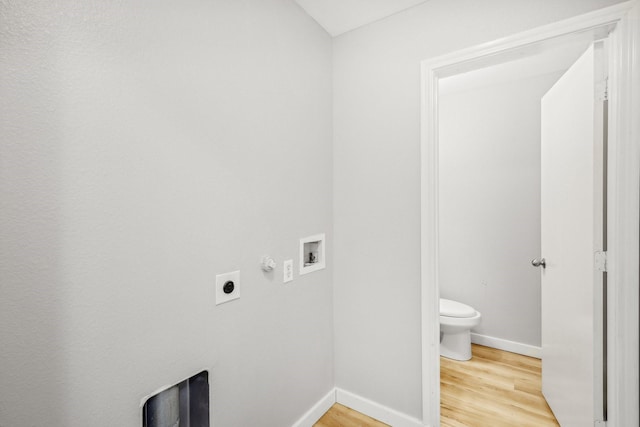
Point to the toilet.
(456, 321)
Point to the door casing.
(624, 161)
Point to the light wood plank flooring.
(495, 388)
(341, 416)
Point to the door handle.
(539, 263)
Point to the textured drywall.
(145, 148)
(377, 181)
(489, 193)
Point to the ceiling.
(340, 16)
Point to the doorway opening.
(490, 228)
(587, 28)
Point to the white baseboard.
(357, 403)
(506, 345)
(375, 410)
(317, 411)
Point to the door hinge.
(601, 261)
(602, 90)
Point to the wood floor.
(341, 416)
(493, 389)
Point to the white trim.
(317, 411)
(465, 59)
(375, 410)
(624, 222)
(506, 345)
(430, 292)
(603, 21)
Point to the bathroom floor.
(495, 388)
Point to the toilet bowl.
(456, 321)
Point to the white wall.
(147, 147)
(377, 181)
(489, 219)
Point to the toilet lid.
(455, 309)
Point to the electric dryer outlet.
(227, 287)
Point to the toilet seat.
(457, 309)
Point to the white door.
(571, 234)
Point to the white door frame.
(624, 193)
